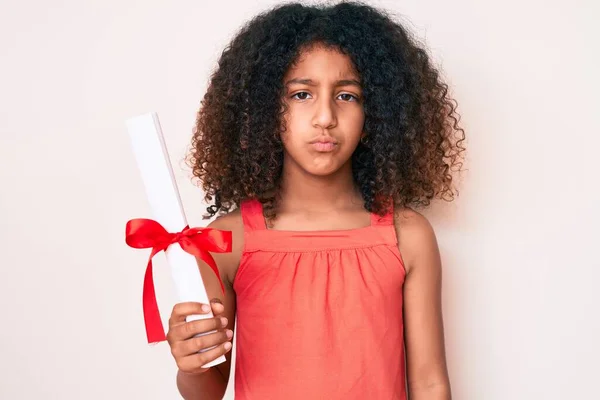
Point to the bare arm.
(208, 385)
(424, 333)
(212, 383)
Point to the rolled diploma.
(161, 188)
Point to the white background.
(519, 246)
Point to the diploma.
(169, 229)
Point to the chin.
(323, 170)
(321, 165)
(322, 173)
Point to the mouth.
(324, 147)
(324, 144)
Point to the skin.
(318, 193)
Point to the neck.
(301, 190)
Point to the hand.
(185, 347)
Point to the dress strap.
(252, 215)
(385, 225)
(386, 220)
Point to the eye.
(350, 95)
(300, 93)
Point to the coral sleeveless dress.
(319, 313)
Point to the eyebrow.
(310, 82)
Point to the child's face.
(325, 112)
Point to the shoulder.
(417, 241)
(231, 221)
(229, 262)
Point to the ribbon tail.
(154, 327)
(207, 258)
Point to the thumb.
(217, 306)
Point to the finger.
(194, 362)
(182, 310)
(190, 329)
(217, 308)
(196, 344)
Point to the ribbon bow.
(146, 233)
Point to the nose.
(325, 116)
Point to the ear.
(364, 140)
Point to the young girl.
(319, 131)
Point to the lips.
(324, 139)
(324, 147)
(324, 144)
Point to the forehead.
(322, 63)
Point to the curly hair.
(412, 127)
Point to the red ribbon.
(146, 233)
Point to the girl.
(319, 131)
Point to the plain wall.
(519, 245)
